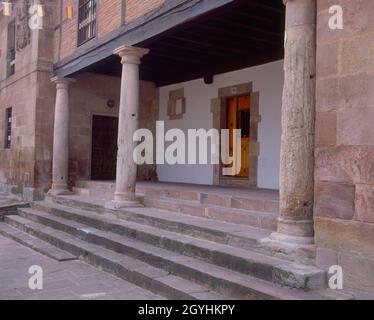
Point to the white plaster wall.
(268, 80)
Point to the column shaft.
(298, 117)
(60, 162)
(128, 123)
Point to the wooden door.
(238, 117)
(104, 147)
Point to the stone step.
(154, 279)
(34, 243)
(241, 236)
(228, 282)
(160, 270)
(258, 219)
(255, 200)
(101, 229)
(251, 199)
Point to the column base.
(118, 205)
(293, 248)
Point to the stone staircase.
(258, 209)
(176, 254)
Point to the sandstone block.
(345, 164)
(365, 202)
(344, 235)
(326, 128)
(355, 126)
(334, 200)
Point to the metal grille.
(8, 131)
(11, 49)
(86, 21)
(12, 61)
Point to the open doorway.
(238, 117)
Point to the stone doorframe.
(219, 110)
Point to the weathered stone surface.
(300, 277)
(248, 204)
(355, 57)
(334, 200)
(73, 280)
(327, 60)
(327, 93)
(224, 201)
(365, 202)
(326, 128)
(35, 244)
(60, 167)
(345, 164)
(345, 235)
(298, 119)
(358, 271)
(356, 91)
(325, 258)
(355, 127)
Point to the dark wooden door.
(104, 148)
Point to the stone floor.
(72, 280)
(265, 194)
(6, 199)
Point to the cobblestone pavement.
(74, 280)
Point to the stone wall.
(30, 95)
(89, 96)
(344, 177)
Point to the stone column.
(60, 163)
(295, 224)
(128, 123)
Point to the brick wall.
(135, 8)
(344, 186)
(109, 18)
(66, 32)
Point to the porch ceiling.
(241, 34)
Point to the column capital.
(62, 83)
(130, 54)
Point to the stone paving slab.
(35, 243)
(70, 280)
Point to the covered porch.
(196, 55)
(228, 57)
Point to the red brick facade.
(112, 14)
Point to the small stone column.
(295, 224)
(60, 162)
(128, 123)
